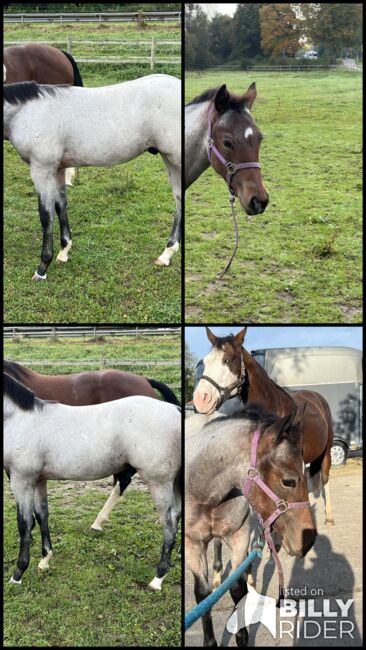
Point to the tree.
(197, 55)
(221, 38)
(280, 30)
(333, 28)
(246, 35)
(189, 373)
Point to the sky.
(277, 337)
(212, 8)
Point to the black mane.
(251, 411)
(19, 394)
(20, 93)
(14, 369)
(235, 103)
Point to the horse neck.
(261, 388)
(196, 160)
(9, 112)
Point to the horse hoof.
(216, 580)
(95, 528)
(15, 582)
(161, 262)
(61, 257)
(37, 277)
(155, 584)
(329, 522)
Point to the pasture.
(95, 592)
(120, 218)
(299, 261)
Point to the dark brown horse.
(230, 370)
(40, 63)
(87, 388)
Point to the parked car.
(311, 54)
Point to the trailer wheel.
(339, 453)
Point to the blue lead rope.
(205, 605)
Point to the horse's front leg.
(46, 186)
(196, 559)
(175, 235)
(238, 543)
(41, 512)
(23, 491)
(217, 563)
(61, 209)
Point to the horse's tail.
(166, 392)
(77, 76)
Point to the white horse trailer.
(335, 373)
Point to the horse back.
(36, 62)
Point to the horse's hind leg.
(217, 563)
(326, 487)
(168, 508)
(61, 210)
(41, 512)
(23, 491)
(122, 481)
(174, 172)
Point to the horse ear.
(211, 336)
(283, 425)
(250, 95)
(222, 99)
(240, 336)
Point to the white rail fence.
(98, 17)
(91, 331)
(153, 46)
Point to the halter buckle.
(230, 166)
(209, 141)
(252, 472)
(282, 505)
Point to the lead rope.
(231, 199)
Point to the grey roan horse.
(47, 440)
(217, 461)
(55, 127)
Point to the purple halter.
(231, 168)
(281, 506)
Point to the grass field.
(120, 221)
(300, 261)
(95, 592)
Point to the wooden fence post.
(69, 51)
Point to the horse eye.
(289, 482)
(227, 144)
(228, 361)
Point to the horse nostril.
(257, 205)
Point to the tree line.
(272, 33)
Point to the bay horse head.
(224, 372)
(279, 466)
(233, 147)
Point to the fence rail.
(152, 58)
(54, 331)
(97, 17)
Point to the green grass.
(300, 261)
(120, 348)
(95, 592)
(120, 220)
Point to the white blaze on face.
(248, 132)
(206, 396)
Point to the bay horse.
(217, 459)
(43, 64)
(54, 127)
(85, 389)
(48, 440)
(220, 131)
(230, 370)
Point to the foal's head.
(280, 466)
(225, 366)
(238, 139)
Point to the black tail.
(77, 76)
(166, 392)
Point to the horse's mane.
(20, 93)
(235, 103)
(15, 370)
(19, 394)
(250, 411)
